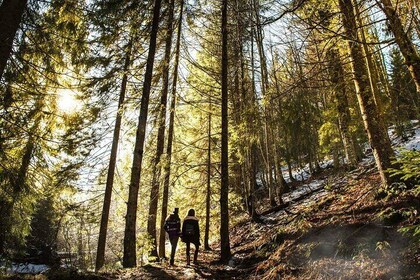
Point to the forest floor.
(340, 230)
(336, 225)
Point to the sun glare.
(67, 101)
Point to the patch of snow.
(27, 268)
(272, 217)
(303, 190)
(326, 164)
(229, 267)
(367, 161)
(413, 143)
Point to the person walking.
(173, 227)
(191, 234)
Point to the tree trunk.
(254, 130)
(289, 169)
(167, 166)
(414, 5)
(282, 184)
(129, 257)
(224, 188)
(154, 192)
(18, 184)
(264, 83)
(344, 118)
(372, 75)
(11, 12)
(208, 192)
(374, 125)
(100, 254)
(407, 48)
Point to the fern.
(409, 167)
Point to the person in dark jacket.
(191, 234)
(173, 227)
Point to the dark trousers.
(195, 252)
(174, 243)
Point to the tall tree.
(224, 188)
(129, 258)
(404, 101)
(370, 65)
(267, 153)
(208, 189)
(373, 122)
(407, 48)
(338, 82)
(167, 165)
(160, 141)
(100, 254)
(11, 12)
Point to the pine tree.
(404, 102)
(130, 259)
(11, 12)
(224, 188)
(408, 50)
(374, 124)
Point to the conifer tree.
(224, 188)
(11, 12)
(411, 56)
(374, 124)
(130, 259)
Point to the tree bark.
(18, 185)
(374, 125)
(407, 48)
(224, 188)
(369, 63)
(100, 253)
(154, 192)
(167, 166)
(11, 12)
(344, 118)
(264, 83)
(282, 184)
(252, 121)
(129, 257)
(208, 191)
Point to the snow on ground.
(25, 268)
(413, 142)
(303, 190)
(302, 174)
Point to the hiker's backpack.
(171, 225)
(189, 229)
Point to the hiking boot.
(188, 260)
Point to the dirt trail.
(207, 268)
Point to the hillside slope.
(337, 225)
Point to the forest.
(290, 127)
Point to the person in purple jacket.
(173, 227)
